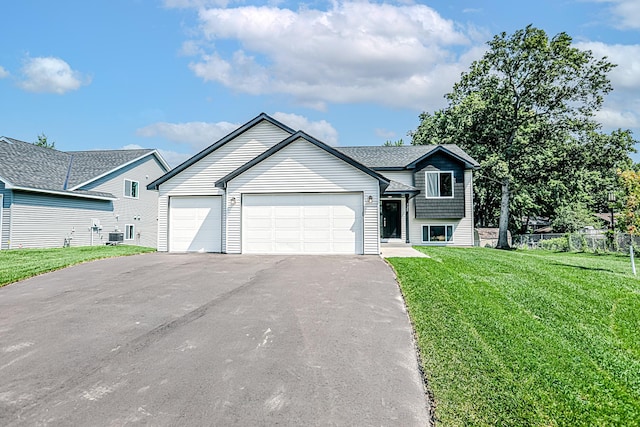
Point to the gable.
(226, 154)
(440, 207)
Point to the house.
(266, 188)
(51, 198)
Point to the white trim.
(133, 232)
(124, 190)
(154, 152)
(62, 193)
(443, 242)
(426, 184)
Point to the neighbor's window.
(439, 184)
(129, 232)
(437, 233)
(131, 188)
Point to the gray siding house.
(268, 189)
(50, 198)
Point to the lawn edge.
(430, 397)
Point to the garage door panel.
(303, 223)
(195, 224)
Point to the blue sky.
(178, 74)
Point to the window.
(438, 184)
(129, 232)
(437, 233)
(131, 188)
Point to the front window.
(129, 232)
(437, 233)
(131, 188)
(439, 184)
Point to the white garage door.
(195, 224)
(302, 223)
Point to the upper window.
(131, 188)
(438, 184)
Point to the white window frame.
(442, 242)
(129, 196)
(426, 184)
(133, 231)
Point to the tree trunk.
(503, 242)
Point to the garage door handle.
(384, 222)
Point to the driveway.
(206, 339)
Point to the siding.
(199, 178)
(44, 221)
(463, 228)
(302, 167)
(141, 212)
(5, 216)
(440, 208)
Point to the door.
(195, 224)
(391, 219)
(302, 223)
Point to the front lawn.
(522, 338)
(19, 264)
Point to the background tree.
(525, 112)
(629, 221)
(398, 143)
(43, 142)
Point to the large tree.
(521, 111)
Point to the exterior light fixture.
(370, 199)
(232, 201)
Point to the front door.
(391, 219)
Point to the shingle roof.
(400, 157)
(26, 165)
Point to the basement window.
(437, 233)
(129, 231)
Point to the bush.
(559, 244)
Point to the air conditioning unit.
(115, 238)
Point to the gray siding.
(449, 208)
(44, 221)
(142, 212)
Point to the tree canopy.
(525, 111)
(43, 142)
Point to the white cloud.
(321, 130)
(400, 55)
(627, 74)
(50, 75)
(614, 119)
(196, 135)
(625, 12)
(3, 73)
(384, 133)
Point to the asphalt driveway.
(204, 339)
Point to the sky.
(177, 75)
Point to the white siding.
(302, 167)
(404, 177)
(142, 212)
(200, 177)
(463, 228)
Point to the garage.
(328, 223)
(195, 224)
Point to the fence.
(582, 242)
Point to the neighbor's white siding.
(298, 168)
(142, 212)
(200, 177)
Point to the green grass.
(19, 264)
(526, 338)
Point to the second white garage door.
(302, 223)
(195, 224)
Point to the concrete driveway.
(205, 339)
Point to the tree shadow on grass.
(581, 267)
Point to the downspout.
(406, 217)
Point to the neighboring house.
(51, 198)
(266, 188)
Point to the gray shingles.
(398, 157)
(27, 165)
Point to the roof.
(396, 187)
(403, 157)
(255, 121)
(222, 182)
(25, 166)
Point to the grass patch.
(20, 264)
(526, 338)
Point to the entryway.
(391, 219)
